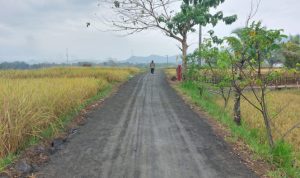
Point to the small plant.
(282, 154)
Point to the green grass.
(7, 160)
(54, 128)
(282, 156)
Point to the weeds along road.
(145, 131)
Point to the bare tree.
(135, 16)
(132, 16)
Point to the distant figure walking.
(152, 67)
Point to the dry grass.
(31, 101)
(277, 100)
(170, 72)
(110, 74)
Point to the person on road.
(152, 67)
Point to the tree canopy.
(291, 52)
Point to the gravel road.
(145, 131)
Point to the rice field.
(33, 100)
(284, 109)
(170, 72)
(109, 74)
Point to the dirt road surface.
(145, 131)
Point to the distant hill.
(148, 59)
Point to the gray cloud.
(43, 29)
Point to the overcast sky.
(42, 30)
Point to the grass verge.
(282, 156)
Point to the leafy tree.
(192, 72)
(139, 15)
(260, 44)
(238, 48)
(209, 53)
(218, 64)
(14, 65)
(291, 52)
(295, 39)
(225, 84)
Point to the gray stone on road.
(145, 131)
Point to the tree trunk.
(184, 48)
(225, 97)
(237, 94)
(200, 44)
(259, 64)
(267, 121)
(237, 107)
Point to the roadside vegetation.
(285, 156)
(35, 103)
(233, 78)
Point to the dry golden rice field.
(170, 72)
(33, 100)
(284, 108)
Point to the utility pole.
(200, 43)
(167, 60)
